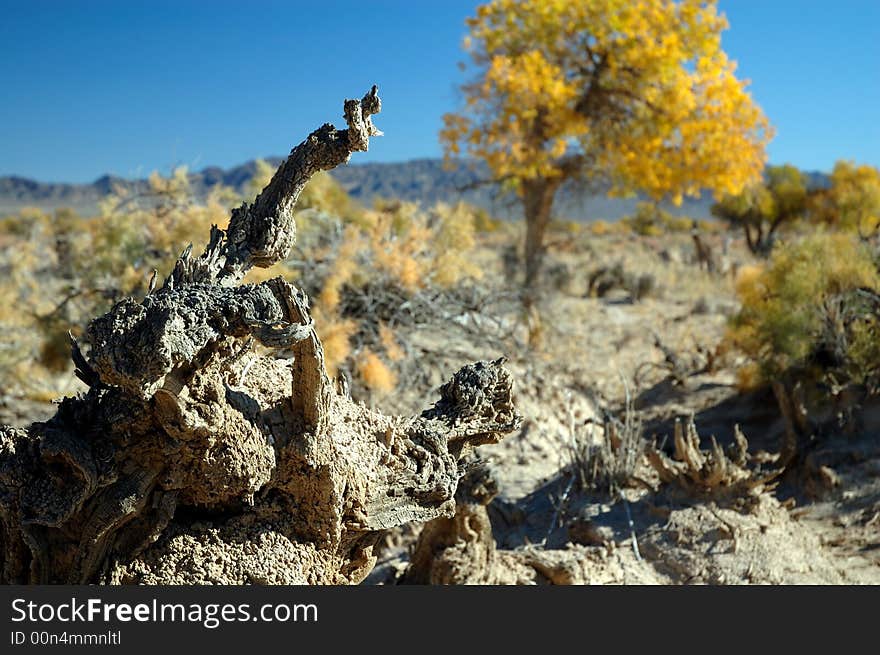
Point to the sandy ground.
(595, 352)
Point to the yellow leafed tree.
(634, 93)
(855, 197)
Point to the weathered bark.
(261, 234)
(753, 241)
(195, 459)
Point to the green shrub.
(812, 311)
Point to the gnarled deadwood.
(194, 459)
(723, 475)
(459, 549)
(261, 233)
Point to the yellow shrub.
(600, 228)
(647, 220)
(335, 334)
(345, 265)
(567, 227)
(678, 223)
(257, 275)
(711, 226)
(483, 222)
(398, 240)
(748, 377)
(325, 194)
(389, 343)
(749, 284)
(398, 247)
(454, 238)
(25, 223)
(375, 373)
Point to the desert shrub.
(375, 373)
(24, 223)
(324, 194)
(484, 222)
(603, 280)
(25, 303)
(812, 311)
(601, 228)
(336, 337)
(368, 277)
(367, 271)
(762, 209)
(646, 221)
(650, 219)
(710, 226)
(678, 224)
(852, 201)
(399, 245)
(565, 227)
(558, 276)
(138, 231)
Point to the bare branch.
(262, 233)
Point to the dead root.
(716, 473)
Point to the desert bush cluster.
(651, 220)
(391, 266)
(809, 325)
(367, 271)
(811, 311)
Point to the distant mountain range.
(425, 181)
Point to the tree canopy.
(639, 93)
(849, 201)
(763, 207)
(853, 200)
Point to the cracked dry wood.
(193, 459)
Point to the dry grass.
(610, 461)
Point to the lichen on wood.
(193, 458)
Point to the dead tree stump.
(194, 459)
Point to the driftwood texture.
(195, 459)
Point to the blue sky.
(126, 87)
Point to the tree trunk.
(537, 198)
(754, 240)
(195, 459)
